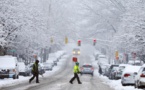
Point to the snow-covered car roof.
(49, 61)
(65, 56)
(60, 53)
(96, 52)
(101, 55)
(131, 69)
(132, 61)
(7, 62)
(21, 65)
(124, 65)
(47, 64)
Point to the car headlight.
(74, 52)
(79, 52)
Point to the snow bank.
(116, 84)
(10, 82)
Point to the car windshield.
(115, 68)
(87, 66)
(121, 68)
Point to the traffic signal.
(94, 42)
(79, 42)
(51, 40)
(66, 40)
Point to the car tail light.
(126, 75)
(142, 75)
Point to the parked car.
(96, 54)
(128, 76)
(9, 67)
(113, 73)
(136, 62)
(53, 57)
(140, 78)
(23, 69)
(59, 54)
(51, 62)
(42, 70)
(102, 60)
(87, 69)
(110, 69)
(48, 66)
(106, 71)
(76, 51)
(104, 68)
(120, 71)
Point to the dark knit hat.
(37, 61)
(77, 63)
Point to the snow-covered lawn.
(10, 82)
(116, 84)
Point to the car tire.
(123, 84)
(17, 76)
(14, 77)
(110, 77)
(135, 85)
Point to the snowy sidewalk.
(116, 84)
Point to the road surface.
(60, 80)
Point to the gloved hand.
(79, 72)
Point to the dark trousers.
(75, 76)
(37, 77)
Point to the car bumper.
(142, 82)
(7, 75)
(127, 81)
(86, 72)
(118, 76)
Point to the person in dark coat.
(35, 72)
(100, 70)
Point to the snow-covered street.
(58, 79)
(72, 44)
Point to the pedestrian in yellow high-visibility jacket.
(76, 70)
